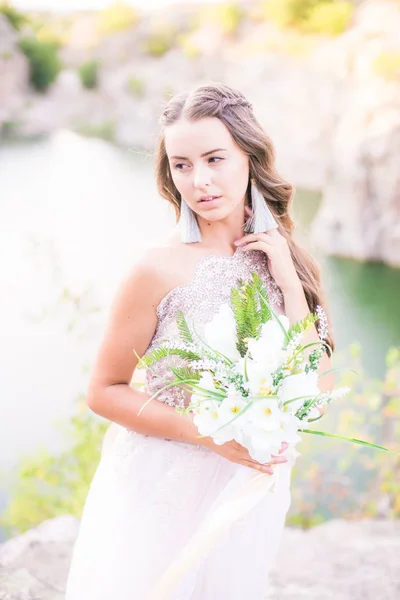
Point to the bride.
(157, 480)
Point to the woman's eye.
(179, 166)
(216, 158)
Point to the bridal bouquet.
(250, 377)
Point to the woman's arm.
(131, 325)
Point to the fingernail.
(237, 243)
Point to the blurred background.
(82, 85)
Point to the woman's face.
(208, 168)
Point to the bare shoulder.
(157, 270)
(133, 318)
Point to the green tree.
(14, 17)
(89, 74)
(44, 62)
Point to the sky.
(73, 5)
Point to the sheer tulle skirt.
(146, 500)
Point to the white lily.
(206, 417)
(220, 333)
(262, 445)
(295, 386)
(265, 413)
(258, 374)
(267, 350)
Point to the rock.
(338, 560)
(360, 213)
(14, 74)
(34, 566)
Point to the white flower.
(259, 375)
(207, 381)
(206, 417)
(268, 348)
(300, 384)
(265, 413)
(262, 445)
(231, 406)
(206, 409)
(289, 426)
(220, 333)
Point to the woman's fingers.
(277, 460)
(258, 466)
(284, 447)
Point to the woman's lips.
(209, 199)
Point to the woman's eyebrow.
(203, 155)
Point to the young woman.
(157, 480)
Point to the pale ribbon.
(214, 526)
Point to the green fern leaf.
(184, 373)
(160, 353)
(183, 328)
(302, 325)
(262, 291)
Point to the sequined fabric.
(211, 286)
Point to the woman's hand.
(239, 454)
(276, 247)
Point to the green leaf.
(262, 292)
(183, 328)
(185, 373)
(249, 311)
(347, 439)
(301, 326)
(160, 353)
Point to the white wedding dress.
(149, 495)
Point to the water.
(75, 213)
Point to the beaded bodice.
(213, 279)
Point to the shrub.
(330, 17)
(44, 63)
(104, 130)
(14, 17)
(117, 17)
(89, 74)
(9, 129)
(49, 486)
(161, 40)
(387, 65)
(227, 16)
(188, 47)
(288, 13)
(343, 480)
(136, 87)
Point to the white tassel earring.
(262, 218)
(190, 231)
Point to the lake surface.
(75, 212)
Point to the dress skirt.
(146, 500)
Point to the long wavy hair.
(236, 113)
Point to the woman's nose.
(201, 177)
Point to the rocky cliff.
(338, 560)
(331, 106)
